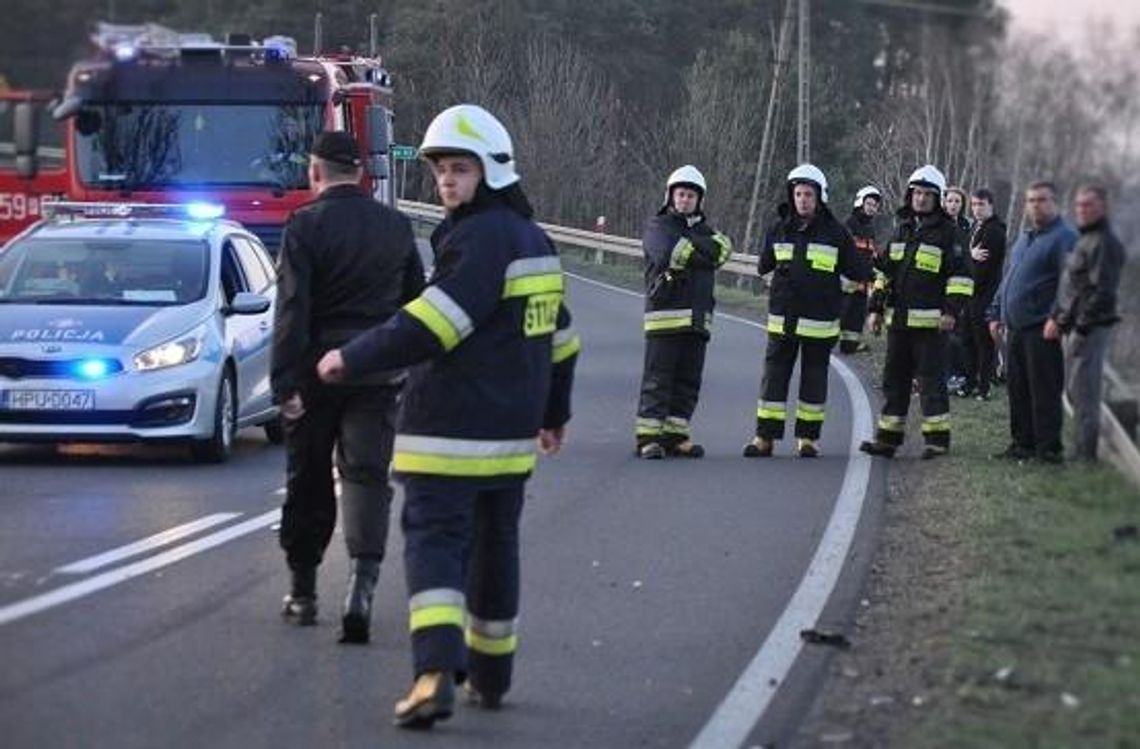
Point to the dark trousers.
(359, 423)
(915, 354)
(1036, 380)
(461, 559)
(670, 386)
(779, 361)
(1084, 362)
(980, 349)
(852, 319)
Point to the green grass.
(1048, 592)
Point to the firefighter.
(807, 251)
(682, 253)
(861, 224)
(496, 353)
(923, 287)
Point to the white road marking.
(745, 704)
(90, 564)
(36, 604)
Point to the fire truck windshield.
(141, 145)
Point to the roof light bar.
(195, 211)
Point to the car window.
(232, 279)
(255, 273)
(104, 271)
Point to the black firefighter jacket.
(923, 273)
(680, 273)
(346, 263)
(806, 262)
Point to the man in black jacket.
(987, 256)
(347, 263)
(1085, 311)
(682, 253)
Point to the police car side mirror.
(246, 303)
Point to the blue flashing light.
(93, 369)
(125, 52)
(205, 211)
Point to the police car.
(136, 323)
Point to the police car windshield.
(136, 145)
(104, 272)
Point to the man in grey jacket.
(1085, 311)
(1023, 303)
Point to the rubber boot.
(431, 698)
(807, 448)
(651, 451)
(358, 601)
(687, 449)
(480, 699)
(759, 447)
(300, 606)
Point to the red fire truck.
(158, 116)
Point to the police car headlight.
(182, 350)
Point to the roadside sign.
(403, 153)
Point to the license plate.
(47, 400)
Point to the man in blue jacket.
(1024, 300)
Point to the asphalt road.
(647, 587)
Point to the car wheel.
(274, 431)
(218, 447)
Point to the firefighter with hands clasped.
(682, 253)
(807, 252)
(496, 358)
(923, 287)
(861, 224)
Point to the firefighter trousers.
(915, 354)
(852, 320)
(357, 423)
(779, 361)
(670, 386)
(461, 560)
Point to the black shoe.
(358, 602)
(929, 452)
(1014, 452)
(431, 698)
(874, 447)
(482, 699)
(759, 447)
(300, 606)
(651, 451)
(687, 449)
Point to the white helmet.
(467, 128)
(928, 176)
(688, 176)
(870, 191)
(811, 174)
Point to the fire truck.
(158, 116)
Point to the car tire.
(220, 445)
(274, 430)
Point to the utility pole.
(769, 120)
(317, 41)
(373, 35)
(803, 117)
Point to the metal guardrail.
(1116, 444)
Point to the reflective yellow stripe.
(923, 318)
(435, 321)
(849, 335)
(783, 251)
(809, 412)
(892, 423)
(776, 324)
(961, 285)
(446, 456)
(544, 283)
(682, 251)
(435, 616)
(774, 410)
(822, 257)
(807, 328)
(939, 423)
(563, 350)
(928, 258)
(650, 427)
(898, 250)
(676, 425)
(668, 319)
(491, 645)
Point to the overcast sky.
(1070, 17)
